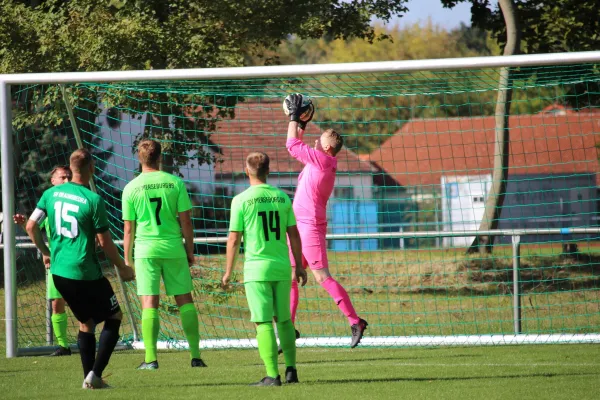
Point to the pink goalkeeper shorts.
(314, 246)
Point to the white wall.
(463, 205)
(123, 163)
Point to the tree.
(493, 203)
(94, 35)
(545, 27)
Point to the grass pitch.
(504, 372)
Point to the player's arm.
(128, 238)
(234, 241)
(104, 238)
(33, 230)
(294, 131)
(187, 229)
(184, 210)
(296, 246)
(112, 253)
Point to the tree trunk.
(495, 199)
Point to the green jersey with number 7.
(153, 200)
(75, 215)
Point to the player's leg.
(314, 249)
(147, 274)
(178, 283)
(340, 296)
(294, 292)
(75, 294)
(260, 296)
(105, 308)
(285, 328)
(59, 318)
(86, 341)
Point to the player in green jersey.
(59, 175)
(151, 204)
(262, 215)
(76, 218)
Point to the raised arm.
(303, 153)
(294, 131)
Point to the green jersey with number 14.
(153, 200)
(263, 213)
(75, 215)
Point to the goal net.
(412, 185)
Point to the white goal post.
(8, 184)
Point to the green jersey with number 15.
(153, 200)
(75, 215)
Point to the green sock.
(267, 347)
(189, 321)
(59, 324)
(150, 328)
(287, 338)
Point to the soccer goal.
(427, 158)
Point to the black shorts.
(88, 299)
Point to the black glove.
(294, 106)
(302, 124)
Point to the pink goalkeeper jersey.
(315, 182)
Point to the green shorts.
(268, 299)
(175, 273)
(51, 290)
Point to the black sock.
(87, 351)
(108, 340)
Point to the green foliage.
(548, 27)
(90, 35)
(100, 35)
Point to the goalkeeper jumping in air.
(315, 185)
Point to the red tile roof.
(263, 127)
(424, 150)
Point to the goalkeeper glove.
(302, 124)
(294, 106)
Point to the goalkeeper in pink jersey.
(315, 185)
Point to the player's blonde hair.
(334, 139)
(149, 152)
(258, 164)
(80, 160)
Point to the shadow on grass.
(385, 380)
(451, 378)
(359, 360)
(15, 371)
